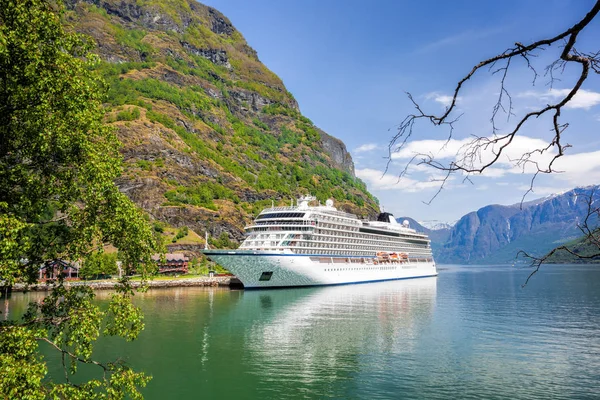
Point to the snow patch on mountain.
(435, 225)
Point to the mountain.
(495, 233)
(210, 135)
(581, 247)
(437, 236)
(436, 225)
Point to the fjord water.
(472, 332)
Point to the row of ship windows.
(281, 215)
(341, 228)
(342, 233)
(334, 239)
(354, 246)
(281, 228)
(369, 268)
(374, 236)
(322, 217)
(342, 239)
(355, 252)
(321, 245)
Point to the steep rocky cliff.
(210, 135)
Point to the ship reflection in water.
(316, 336)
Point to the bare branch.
(471, 159)
(591, 236)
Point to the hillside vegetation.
(210, 135)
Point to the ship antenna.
(272, 204)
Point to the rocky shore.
(218, 281)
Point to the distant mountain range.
(495, 233)
(438, 236)
(437, 225)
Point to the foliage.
(132, 38)
(222, 242)
(585, 252)
(261, 124)
(202, 265)
(58, 200)
(158, 226)
(98, 264)
(129, 115)
(280, 109)
(190, 99)
(181, 233)
(144, 164)
(200, 195)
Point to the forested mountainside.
(494, 234)
(210, 135)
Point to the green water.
(472, 332)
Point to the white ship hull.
(258, 269)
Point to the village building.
(53, 269)
(173, 263)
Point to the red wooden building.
(174, 263)
(51, 270)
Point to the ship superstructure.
(320, 245)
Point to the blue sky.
(349, 64)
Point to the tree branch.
(471, 160)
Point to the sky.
(350, 65)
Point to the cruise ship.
(312, 245)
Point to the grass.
(191, 238)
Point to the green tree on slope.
(58, 200)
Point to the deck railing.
(313, 209)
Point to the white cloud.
(455, 149)
(440, 149)
(441, 98)
(583, 99)
(579, 169)
(493, 172)
(575, 168)
(543, 190)
(376, 180)
(366, 148)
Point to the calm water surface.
(470, 333)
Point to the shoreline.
(217, 281)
